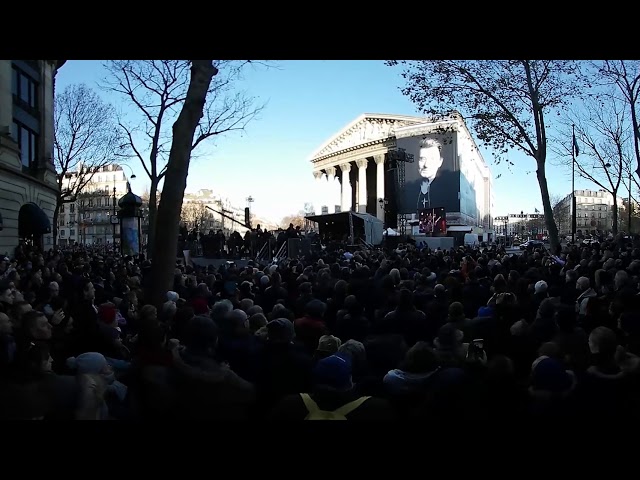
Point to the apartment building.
(520, 224)
(87, 221)
(594, 211)
(28, 186)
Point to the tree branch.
(86, 139)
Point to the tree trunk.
(552, 228)
(166, 245)
(153, 213)
(614, 227)
(54, 229)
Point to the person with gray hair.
(220, 310)
(255, 309)
(54, 289)
(238, 319)
(169, 310)
(257, 321)
(356, 351)
(583, 285)
(246, 304)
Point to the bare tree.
(168, 215)
(601, 127)
(296, 219)
(625, 76)
(193, 213)
(508, 102)
(85, 140)
(158, 90)
(561, 212)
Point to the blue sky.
(307, 102)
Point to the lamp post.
(247, 219)
(383, 206)
(114, 218)
(506, 230)
(607, 166)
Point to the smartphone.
(476, 349)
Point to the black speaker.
(294, 248)
(305, 246)
(247, 217)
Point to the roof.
(334, 216)
(403, 120)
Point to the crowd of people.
(257, 242)
(411, 334)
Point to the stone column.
(320, 193)
(346, 187)
(379, 159)
(362, 184)
(330, 198)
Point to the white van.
(471, 239)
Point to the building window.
(28, 142)
(72, 208)
(62, 233)
(72, 233)
(24, 89)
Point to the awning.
(32, 221)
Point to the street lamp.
(114, 217)
(383, 206)
(247, 212)
(133, 175)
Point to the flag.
(536, 210)
(576, 150)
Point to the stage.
(216, 262)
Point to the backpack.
(315, 413)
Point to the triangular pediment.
(367, 128)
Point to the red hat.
(200, 305)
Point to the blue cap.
(333, 371)
(550, 374)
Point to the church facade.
(357, 170)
